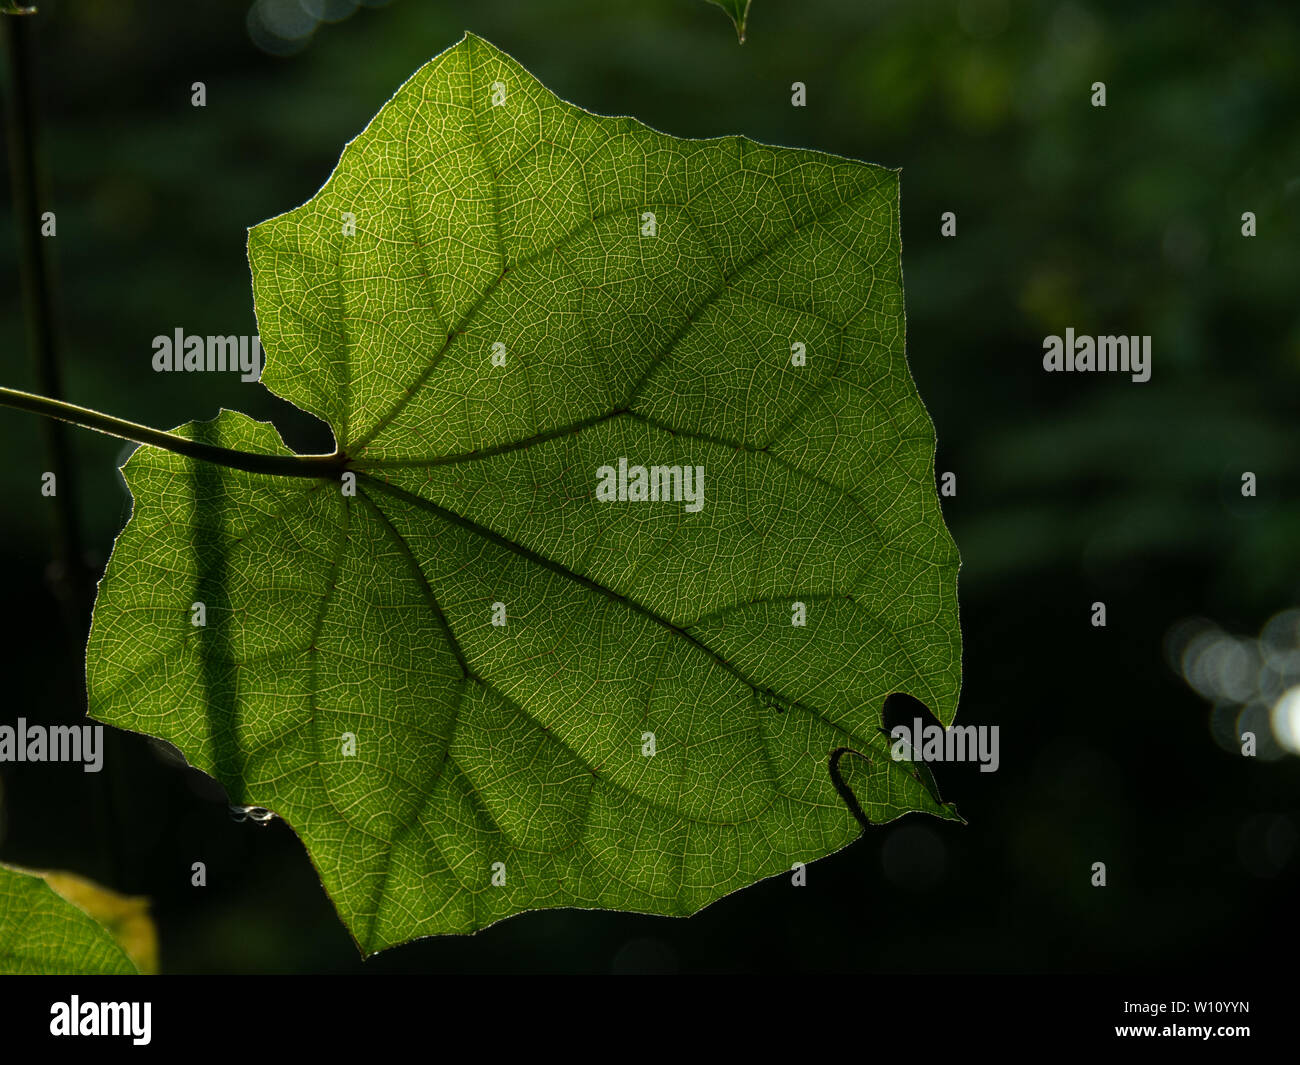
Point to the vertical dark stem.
(72, 579)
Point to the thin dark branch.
(73, 581)
(253, 462)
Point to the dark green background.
(1072, 488)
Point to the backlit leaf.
(46, 926)
(450, 683)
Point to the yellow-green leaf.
(473, 686)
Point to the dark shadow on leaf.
(845, 792)
(216, 656)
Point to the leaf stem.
(324, 466)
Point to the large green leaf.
(498, 327)
(42, 932)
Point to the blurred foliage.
(1122, 219)
(126, 917)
